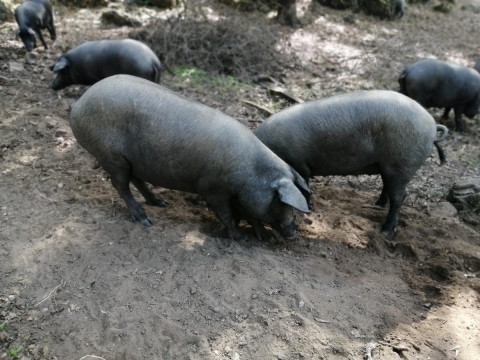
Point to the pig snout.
(289, 232)
(57, 83)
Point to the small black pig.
(96, 60)
(435, 83)
(142, 132)
(32, 16)
(365, 132)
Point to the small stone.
(31, 58)
(193, 290)
(3, 80)
(15, 66)
(301, 304)
(60, 132)
(444, 210)
(254, 296)
(50, 124)
(236, 356)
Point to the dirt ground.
(78, 278)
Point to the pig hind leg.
(149, 196)
(395, 186)
(458, 118)
(120, 173)
(446, 113)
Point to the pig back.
(169, 140)
(350, 134)
(103, 58)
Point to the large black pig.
(365, 132)
(142, 132)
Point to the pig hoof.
(158, 202)
(235, 234)
(143, 220)
(388, 230)
(147, 222)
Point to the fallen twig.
(92, 356)
(269, 112)
(43, 196)
(281, 92)
(51, 292)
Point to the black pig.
(435, 83)
(96, 60)
(32, 16)
(365, 132)
(142, 132)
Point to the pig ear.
(290, 195)
(31, 31)
(59, 65)
(300, 182)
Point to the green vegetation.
(199, 77)
(15, 352)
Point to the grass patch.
(196, 76)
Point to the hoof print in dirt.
(465, 197)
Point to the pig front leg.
(120, 170)
(220, 205)
(40, 36)
(240, 213)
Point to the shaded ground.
(77, 277)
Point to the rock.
(465, 196)
(3, 80)
(444, 209)
(15, 66)
(444, 7)
(51, 124)
(470, 183)
(116, 18)
(60, 132)
(31, 58)
(6, 11)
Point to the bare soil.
(78, 278)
